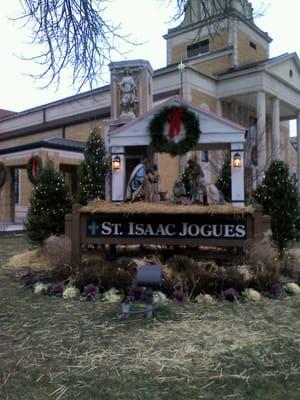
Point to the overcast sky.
(146, 20)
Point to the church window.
(252, 45)
(198, 48)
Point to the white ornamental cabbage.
(40, 288)
(112, 296)
(205, 299)
(71, 292)
(159, 297)
(292, 288)
(252, 295)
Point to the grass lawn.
(56, 349)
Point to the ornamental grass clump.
(262, 258)
(58, 250)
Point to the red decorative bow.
(174, 117)
(34, 165)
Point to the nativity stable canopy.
(216, 132)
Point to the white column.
(237, 176)
(276, 154)
(219, 107)
(219, 153)
(118, 176)
(298, 152)
(261, 134)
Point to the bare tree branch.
(73, 34)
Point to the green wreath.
(34, 167)
(176, 116)
(3, 174)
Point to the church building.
(218, 68)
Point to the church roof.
(215, 130)
(49, 143)
(255, 64)
(6, 113)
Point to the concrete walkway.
(11, 228)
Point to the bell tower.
(221, 30)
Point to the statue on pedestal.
(128, 98)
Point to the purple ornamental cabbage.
(58, 289)
(179, 296)
(137, 293)
(230, 294)
(91, 290)
(276, 290)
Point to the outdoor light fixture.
(149, 277)
(237, 160)
(116, 163)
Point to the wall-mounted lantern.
(237, 160)
(116, 163)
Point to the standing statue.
(143, 183)
(135, 184)
(198, 191)
(151, 183)
(127, 87)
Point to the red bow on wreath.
(174, 117)
(33, 166)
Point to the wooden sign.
(122, 227)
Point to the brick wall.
(179, 51)
(25, 188)
(81, 131)
(198, 98)
(169, 172)
(246, 53)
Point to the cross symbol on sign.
(93, 228)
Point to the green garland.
(162, 144)
(34, 167)
(3, 174)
